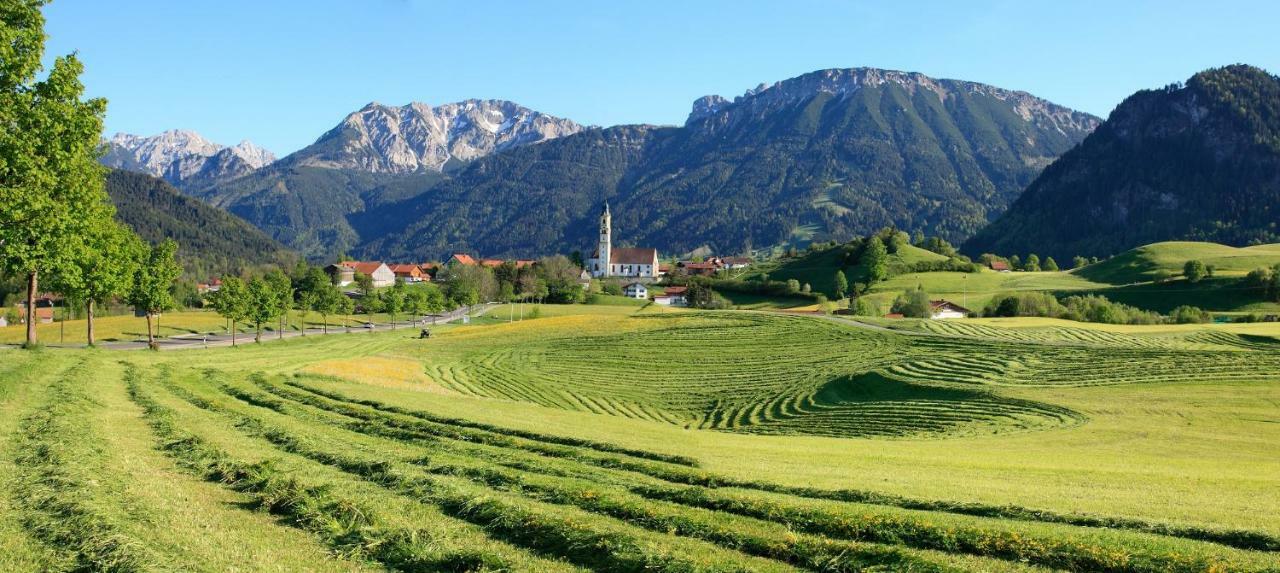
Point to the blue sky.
(282, 72)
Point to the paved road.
(188, 341)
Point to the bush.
(913, 304)
(1187, 314)
(1195, 271)
(1025, 304)
(1094, 308)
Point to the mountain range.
(829, 154)
(184, 158)
(1193, 161)
(826, 155)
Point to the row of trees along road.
(55, 218)
(263, 300)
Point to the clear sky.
(282, 72)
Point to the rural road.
(189, 341)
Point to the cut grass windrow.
(498, 430)
(600, 546)
(668, 509)
(54, 489)
(805, 551)
(351, 529)
(396, 428)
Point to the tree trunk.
(325, 318)
(233, 333)
(257, 333)
(31, 308)
(88, 315)
(284, 318)
(151, 335)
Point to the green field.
(1146, 263)
(614, 438)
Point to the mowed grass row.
(569, 481)
(90, 493)
(783, 375)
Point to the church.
(631, 263)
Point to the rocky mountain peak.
(182, 156)
(422, 137)
(843, 82)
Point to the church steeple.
(603, 250)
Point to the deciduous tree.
(100, 265)
(152, 282)
(49, 174)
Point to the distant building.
(635, 290)
(672, 296)
(706, 268)
(1000, 266)
(734, 263)
(461, 259)
(407, 273)
(637, 263)
(379, 272)
(946, 309)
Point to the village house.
(672, 296)
(636, 290)
(735, 263)
(634, 263)
(344, 273)
(212, 286)
(461, 259)
(705, 269)
(946, 309)
(1000, 266)
(407, 273)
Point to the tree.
(793, 286)
(806, 289)
(262, 305)
(1079, 262)
(842, 285)
(151, 283)
(1033, 263)
(344, 306)
(100, 266)
(913, 303)
(1186, 314)
(283, 288)
(1050, 264)
(393, 302)
(51, 185)
(1195, 271)
(1015, 263)
(364, 283)
(231, 301)
(875, 260)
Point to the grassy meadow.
(622, 438)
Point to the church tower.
(606, 241)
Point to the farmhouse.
(947, 309)
(638, 263)
(635, 290)
(408, 273)
(379, 272)
(704, 269)
(1000, 266)
(734, 263)
(672, 296)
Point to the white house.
(635, 290)
(674, 296)
(381, 274)
(946, 309)
(637, 263)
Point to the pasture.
(615, 438)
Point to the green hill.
(1149, 262)
(210, 241)
(818, 268)
(1198, 162)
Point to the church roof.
(632, 256)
